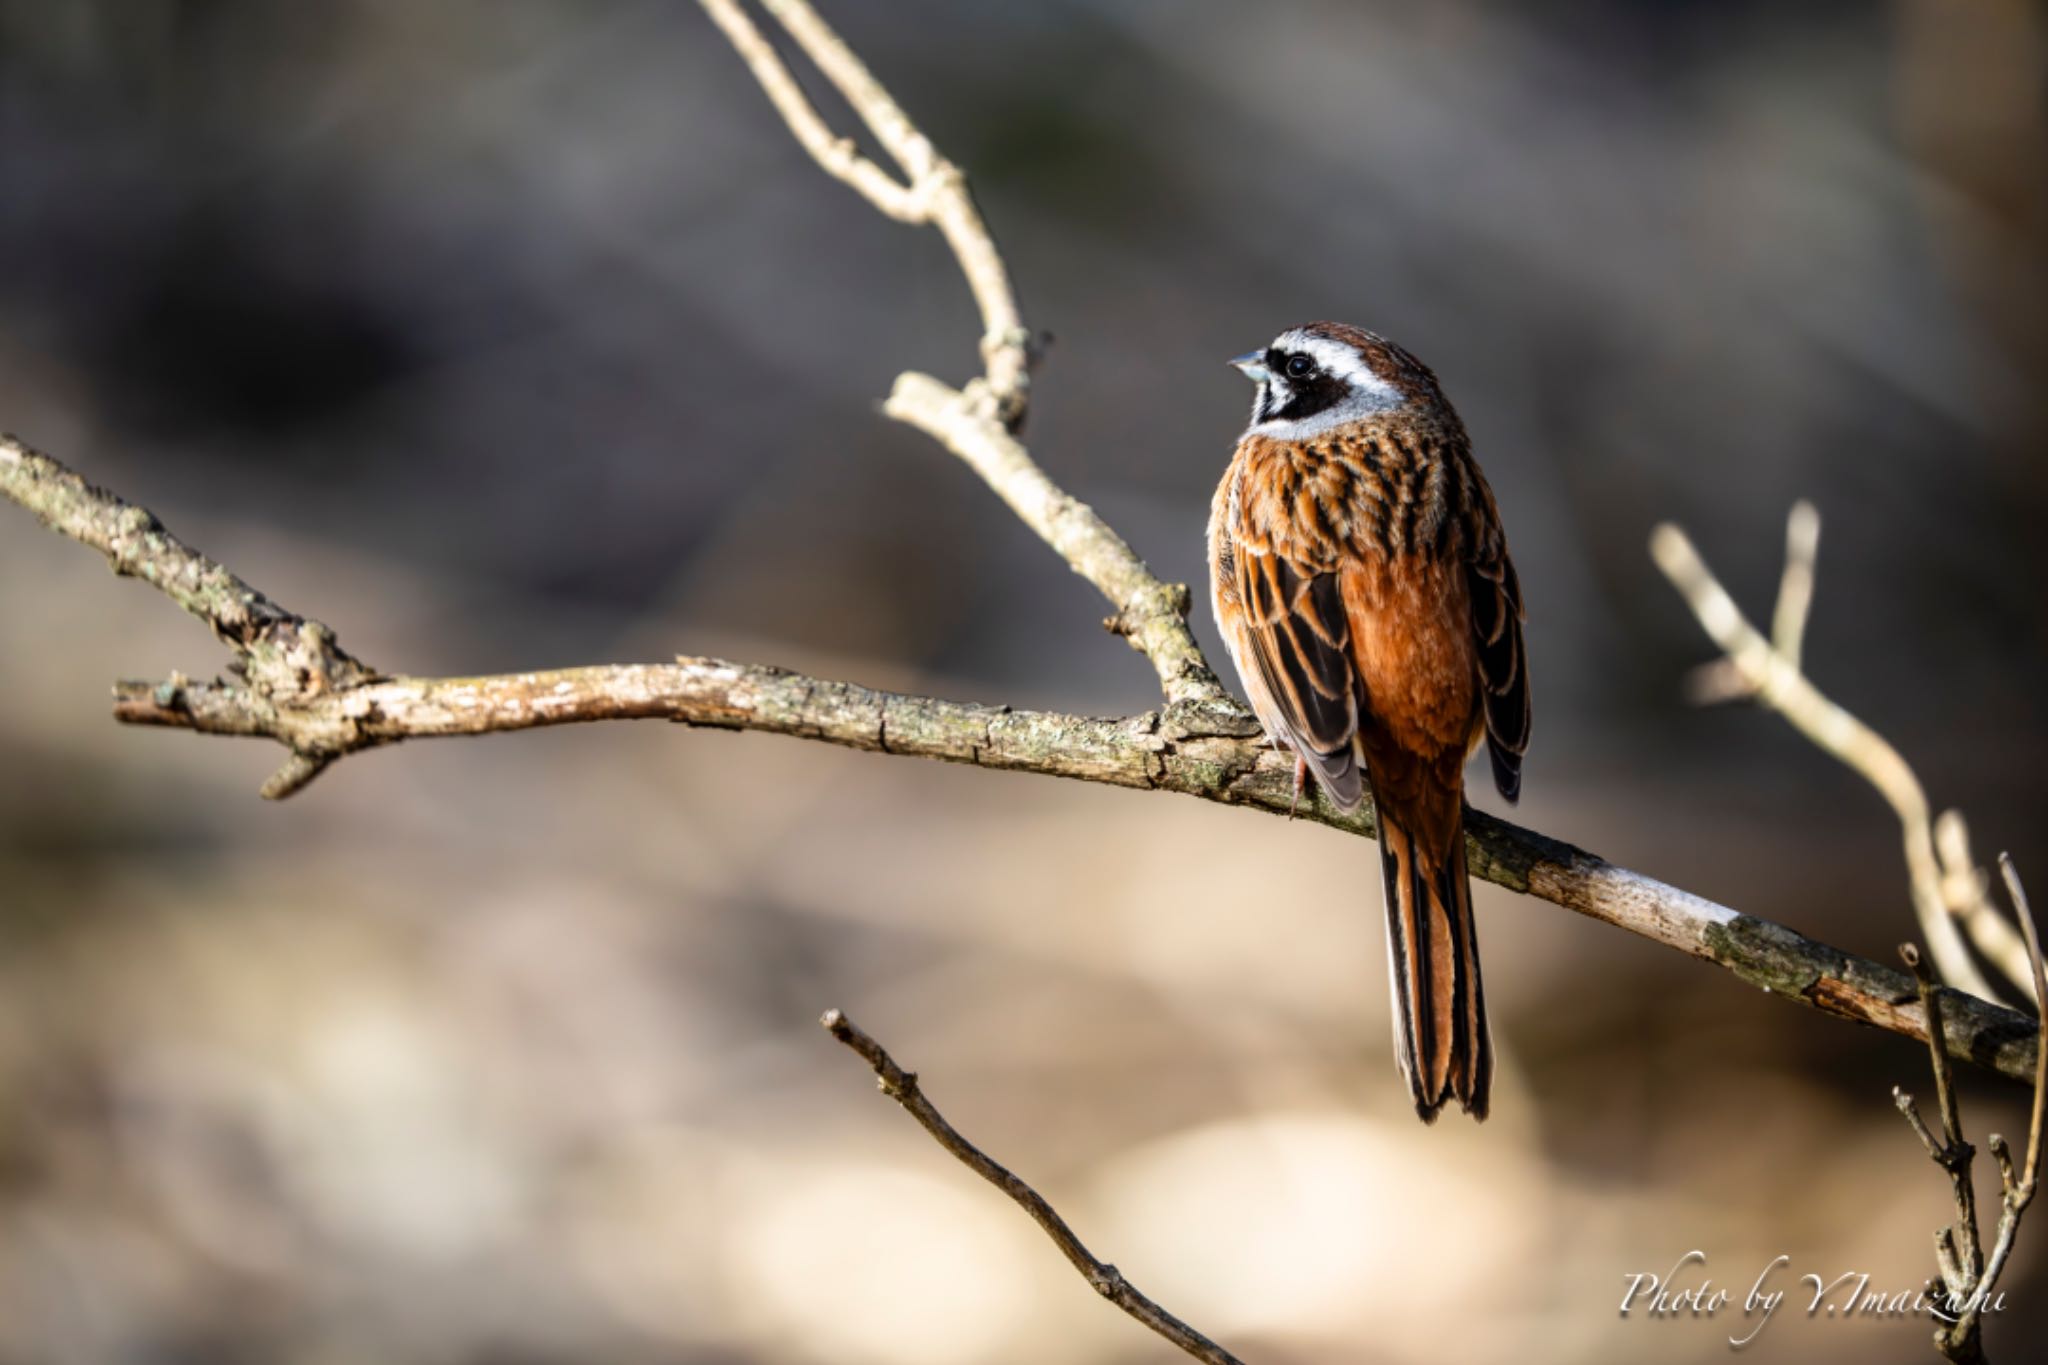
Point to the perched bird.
(1363, 586)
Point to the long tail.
(1440, 1034)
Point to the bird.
(1362, 585)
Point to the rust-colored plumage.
(1364, 589)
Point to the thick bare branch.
(902, 1086)
(303, 691)
(1205, 748)
(297, 687)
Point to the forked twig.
(1970, 1278)
(934, 191)
(1947, 888)
(978, 422)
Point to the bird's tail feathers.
(1440, 1035)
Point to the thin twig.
(837, 156)
(2019, 1192)
(1953, 1153)
(1754, 667)
(1795, 586)
(1968, 1276)
(2024, 912)
(934, 190)
(901, 1086)
(1911, 1110)
(1966, 890)
(1151, 614)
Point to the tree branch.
(282, 655)
(976, 423)
(1152, 615)
(1957, 1246)
(935, 193)
(294, 684)
(1205, 748)
(1947, 887)
(2017, 1189)
(902, 1087)
(1969, 1279)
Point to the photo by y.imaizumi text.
(1748, 1303)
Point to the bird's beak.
(1253, 363)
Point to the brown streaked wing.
(1496, 596)
(1300, 641)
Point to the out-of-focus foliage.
(502, 333)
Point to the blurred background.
(517, 333)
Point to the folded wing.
(1503, 669)
(1299, 641)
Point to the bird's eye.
(1300, 367)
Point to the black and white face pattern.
(1310, 384)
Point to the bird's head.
(1324, 375)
